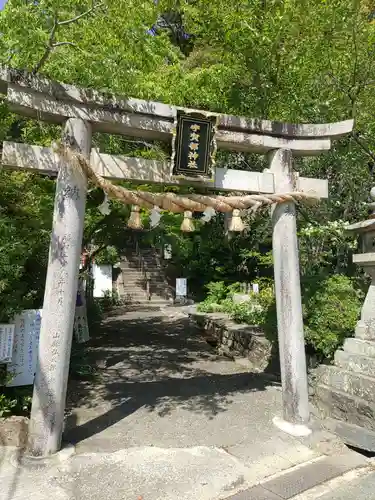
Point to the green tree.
(294, 60)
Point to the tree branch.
(52, 44)
(91, 256)
(366, 149)
(49, 47)
(74, 19)
(59, 44)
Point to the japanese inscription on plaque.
(25, 349)
(6, 343)
(194, 145)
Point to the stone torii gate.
(81, 112)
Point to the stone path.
(164, 386)
(168, 419)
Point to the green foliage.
(331, 307)
(7, 405)
(331, 314)
(13, 400)
(80, 367)
(25, 225)
(217, 291)
(253, 312)
(296, 61)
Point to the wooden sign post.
(82, 111)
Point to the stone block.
(310, 475)
(241, 298)
(352, 435)
(358, 346)
(238, 340)
(333, 403)
(355, 362)
(355, 384)
(14, 431)
(255, 493)
(363, 332)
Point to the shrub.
(6, 405)
(255, 311)
(331, 314)
(210, 307)
(331, 308)
(217, 291)
(217, 294)
(13, 400)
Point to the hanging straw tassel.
(187, 225)
(235, 224)
(134, 221)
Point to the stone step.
(131, 272)
(139, 279)
(355, 384)
(133, 284)
(355, 363)
(343, 406)
(359, 346)
(155, 301)
(137, 269)
(301, 481)
(141, 276)
(141, 293)
(140, 287)
(352, 434)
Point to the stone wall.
(238, 340)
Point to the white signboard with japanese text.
(25, 347)
(181, 287)
(6, 343)
(102, 275)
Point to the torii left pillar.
(48, 404)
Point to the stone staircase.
(344, 393)
(141, 280)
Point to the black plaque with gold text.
(194, 145)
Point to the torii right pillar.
(296, 411)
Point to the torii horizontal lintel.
(29, 103)
(117, 167)
(55, 102)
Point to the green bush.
(209, 307)
(331, 308)
(255, 311)
(331, 314)
(217, 291)
(13, 400)
(217, 294)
